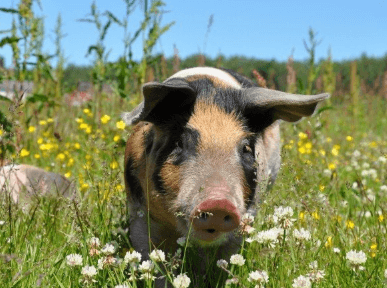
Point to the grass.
(333, 177)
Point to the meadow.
(332, 188)
(323, 224)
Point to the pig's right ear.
(161, 101)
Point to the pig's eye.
(178, 146)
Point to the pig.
(205, 145)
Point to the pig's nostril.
(210, 230)
(227, 218)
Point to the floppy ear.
(161, 101)
(281, 105)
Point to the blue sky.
(252, 28)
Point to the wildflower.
(301, 234)
(181, 281)
(116, 138)
(316, 215)
(269, 236)
(31, 129)
(349, 138)
(114, 165)
(84, 187)
(332, 166)
(301, 216)
(120, 125)
(336, 250)
(108, 249)
(42, 122)
(222, 263)
(94, 242)
(121, 286)
(67, 174)
(106, 261)
(146, 266)
(74, 260)
(105, 119)
(89, 271)
(157, 255)
(132, 257)
(1, 132)
(373, 251)
(258, 277)
(356, 258)
(61, 156)
(24, 152)
(77, 146)
(302, 282)
(383, 188)
(329, 242)
(302, 136)
(316, 275)
(349, 224)
(385, 273)
(237, 259)
(381, 218)
(382, 159)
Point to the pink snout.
(214, 217)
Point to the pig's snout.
(213, 217)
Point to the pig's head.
(203, 150)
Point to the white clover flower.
(336, 250)
(132, 257)
(106, 261)
(283, 212)
(248, 218)
(302, 282)
(74, 260)
(181, 281)
(258, 277)
(301, 234)
(146, 266)
(382, 159)
(313, 265)
(94, 242)
(108, 249)
(89, 271)
(383, 188)
(356, 258)
(222, 263)
(121, 286)
(2, 223)
(356, 153)
(327, 172)
(157, 255)
(316, 275)
(269, 236)
(237, 259)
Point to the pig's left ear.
(281, 105)
(161, 100)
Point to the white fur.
(220, 74)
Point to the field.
(333, 178)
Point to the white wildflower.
(247, 218)
(146, 266)
(237, 259)
(313, 265)
(221, 263)
(383, 188)
(316, 275)
(147, 276)
(283, 212)
(302, 282)
(385, 273)
(258, 277)
(2, 223)
(108, 249)
(157, 255)
(327, 172)
(356, 258)
(106, 261)
(356, 153)
(89, 271)
(269, 236)
(132, 257)
(336, 250)
(74, 260)
(301, 234)
(94, 242)
(121, 286)
(382, 159)
(181, 281)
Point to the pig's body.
(206, 144)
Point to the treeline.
(370, 70)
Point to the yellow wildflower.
(321, 187)
(120, 125)
(315, 215)
(332, 166)
(31, 129)
(50, 120)
(70, 162)
(84, 187)
(77, 146)
(83, 126)
(119, 187)
(302, 135)
(349, 224)
(105, 119)
(86, 111)
(88, 130)
(42, 122)
(79, 120)
(302, 150)
(114, 165)
(322, 152)
(349, 138)
(329, 243)
(68, 174)
(381, 218)
(24, 152)
(1, 132)
(301, 216)
(40, 141)
(37, 156)
(61, 156)
(88, 157)
(374, 248)
(116, 138)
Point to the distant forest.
(369, 69)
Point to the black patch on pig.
(180, 146)
(246, 153)
(133, 182)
